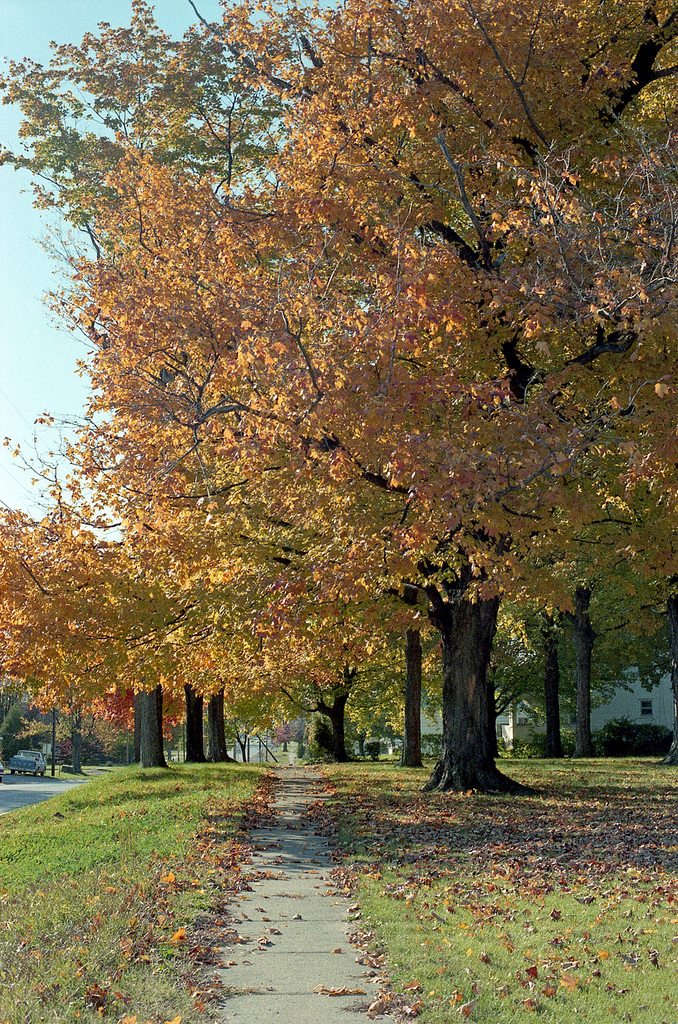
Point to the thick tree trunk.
(584, 637)
(672, 611)
(411, 755)
(195, 746)
(152, 754)
(76, 740)
(215, 728)
(549, 634)
(137, 730)
(466, 762)
(337, 716)
(336, 712)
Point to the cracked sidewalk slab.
(293, 960)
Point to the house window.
(646, 709)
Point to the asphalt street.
(21, 790)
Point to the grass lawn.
(562, 906)
(101, 890)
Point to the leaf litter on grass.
(565, 904)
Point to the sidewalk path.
(294, 921)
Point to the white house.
(637, 704)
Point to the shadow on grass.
(592, 817)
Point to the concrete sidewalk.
(293, 951)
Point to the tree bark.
(76, 740)
(195, 745)
(336, 712)
(672, 612)
(411, 755)
(549, 634)
(152, 754)
(137, 730)
(215, 728)
(584, 637)
(466, 631)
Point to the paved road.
(21, 790)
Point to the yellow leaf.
(567, 981)
(179, 935)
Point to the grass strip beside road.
(491, 909)
(100, 890)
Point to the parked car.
(27, 762)
(2, 770)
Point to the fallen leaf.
(324, 991)
(567, 981)
(376, 1008)
(179, 935)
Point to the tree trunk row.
(467, 760)
(148, 740)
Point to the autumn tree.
(452, 289)
(354, 346)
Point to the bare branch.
(516, 86)
(530, 45)
(473, 216)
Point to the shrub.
(623, 738)
(320, 745)
(431, 745)
(536, 746)
(373, 749)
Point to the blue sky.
(38, 371)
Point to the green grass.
(100, 887)
(564, 905)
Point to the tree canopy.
(376, 296)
